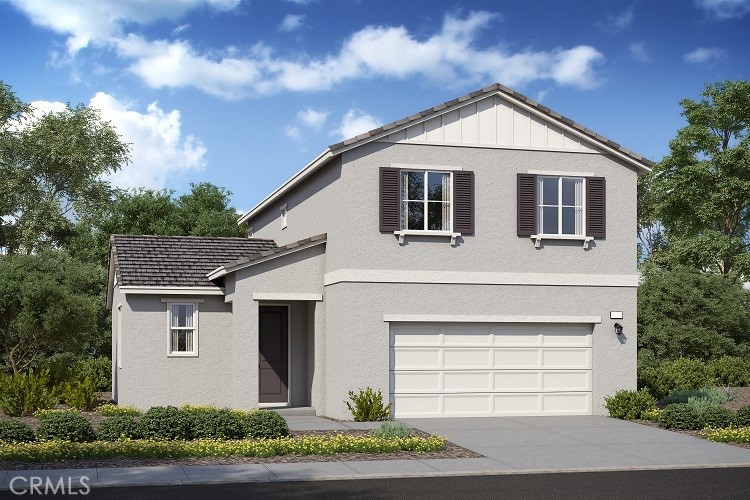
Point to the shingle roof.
(494, 88)
(177, 260)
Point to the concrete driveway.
(576, 442)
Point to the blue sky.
(243, 93)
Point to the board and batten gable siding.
(492, 121)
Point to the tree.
(51, 169)
(702, 188)
(687, 313)
(48, 304)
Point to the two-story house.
(476, 258)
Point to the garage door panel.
(453, 369)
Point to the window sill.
(182, 355)
(569, 237)
(410, 232)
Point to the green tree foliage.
(48, 304)
(687, 313)
(701, 190)
(51, 168)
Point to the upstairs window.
(560, 206)
(425, 200)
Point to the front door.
(273, 338)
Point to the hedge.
(304, 445)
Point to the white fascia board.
(311, 167)
(477, 278)
(481, 318)
(164, 290)
(111, 280)
(223, 271)
(316, 297)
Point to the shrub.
(679, 416)
(80, 394)
(367, 406)
(166, 423)
(110, 410)
(23, 394)
(628, 405)
(392, 430)
(60, 366)
(51, 411)
(15, 431)
(651, 415)
(116, 427)
(99, 370)
(727, 435)
(716, 417)
(729, 371)
(713, 395)
(680, 374)
(742, 417)
(218, 423)
(66, 426)
(265, 424)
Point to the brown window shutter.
(596, 207)
(463, 204)
(389, 200)
(526, 206)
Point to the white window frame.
(284, 213)
(182, 354)
(539, 211)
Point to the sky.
(244, 93)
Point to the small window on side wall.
(183, 329)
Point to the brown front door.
(273, 338)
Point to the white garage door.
(486, 369)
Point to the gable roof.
(607, 145)
(175, 261)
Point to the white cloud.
(158, 149)
(87, 21)
(312, 118)
(179, 29)
(356, 122)
(293, 132)
(300, 2)
(449, 56)
(292, 22)
(703, 55)
(542, 95)
(640, 52)
(618, 22)
(724, 10)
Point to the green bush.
(392, 430)
(265, 424)
(742, 417)
(166, 423)
(713, 395)
(651, 415)
(628, 405)
(680, 374)
(66, 426)
(730, 371)
(80, 394)
(217, 423)
(367, 406)
(22, 394)
(116, 427)
(716, 417)
(99, 370)
(110, 410)
(680, 416)
(60, 366)
(15, 431)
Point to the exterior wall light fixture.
(618, 328)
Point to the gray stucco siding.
(149, 377)
(357, 338)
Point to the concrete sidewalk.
(510, 446)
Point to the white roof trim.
(318, 162)
(223, 271)
(317, 297)
(452, 318)
(163, 290)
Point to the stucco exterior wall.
(151, 378)
(357, 338)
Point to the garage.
(490, 369)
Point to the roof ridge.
(165, 236)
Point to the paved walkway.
(509, 445)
